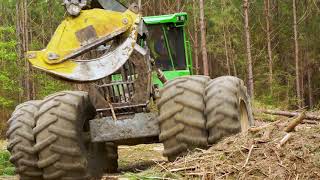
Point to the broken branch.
(292, 124)
(249, 154)
(256, 129)
(183, 169)
(308, 116)
(112, 110)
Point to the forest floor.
(252, 155)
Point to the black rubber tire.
(181, 116)
(21, 141)
(111, 153)
(223, 97)
(62, 130)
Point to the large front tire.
(21, 141)
(64, 149)
(228, 108)
(181, 116)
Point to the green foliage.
(12, 67)
(12, 74)
(9, 85)
(49, 85)
(6, 168)
(7, 103)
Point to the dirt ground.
(252, 155)
(132, 159)
(135, 159)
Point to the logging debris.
(308, 116)
(264, 152)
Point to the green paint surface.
(170, 75)
(177, 18)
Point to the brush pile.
(268, 151)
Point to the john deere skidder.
(132, 63)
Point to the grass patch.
(152, 174)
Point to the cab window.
(166, 44)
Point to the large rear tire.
(228, 108)
(181, 116)
(21, 141)
(62, 136)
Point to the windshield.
(166, 44)
(112, 5)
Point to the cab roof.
(177, 18)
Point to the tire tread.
(181, 116)
(21, 140)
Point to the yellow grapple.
(77, 35)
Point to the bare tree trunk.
(26, 47)
(50, 11)
(310, 93)
(267, 15)
(19, 47)
(178, 5)
(161, 7)
(232, 53)
(196, 43)
(226, 46)
(309, 68)
(203, 40)
(232, 58)
(302, 75)
(288, 92)
(226, 50)
(248, 47)
(296, 45)
(23, 38)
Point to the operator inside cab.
(166, 44)
(159, 50)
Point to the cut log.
(284, 140)
(292, 124)
(309, 116)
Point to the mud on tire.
(21, 141)
(62, 136)
(228, 108)
(181, 116)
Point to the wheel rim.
(244, 117)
